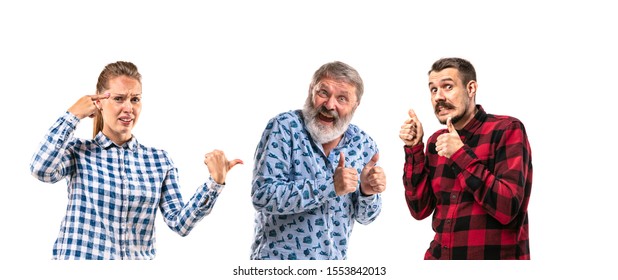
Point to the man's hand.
(448, 143)
(373, 179)
(411, 132)
(346, 179)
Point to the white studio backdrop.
(214, 73)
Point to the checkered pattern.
(113, 194)
(299, 216)
(480, 195)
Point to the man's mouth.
(440, 109)
(325, 117)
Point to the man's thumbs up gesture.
(412, 130)
(346, 179)
(373, 179)
(448, 143)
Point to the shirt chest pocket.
(144, 188)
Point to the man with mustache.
(315, 174)
(475, 175)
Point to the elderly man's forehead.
(326, 82)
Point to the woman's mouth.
(126, 121)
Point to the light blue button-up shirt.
(298, 215)
(113, 194)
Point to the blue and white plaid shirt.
(113, 194)
(299, 216)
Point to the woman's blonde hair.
(112, 70)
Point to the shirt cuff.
(367, 200)
(463, 157)
(213, 186)
(71, 119)
(209, 192)
(414, 153)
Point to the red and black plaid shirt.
(480, 195)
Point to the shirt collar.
(106, 143)
(347, 136)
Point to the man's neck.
(462, 123)
(329, 146)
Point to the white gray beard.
(320, 133)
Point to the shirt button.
(448, 221)
(453, 196)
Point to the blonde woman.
(115, 184)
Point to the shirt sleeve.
(418, 192)
(53, 159)
(501, 191)
(367, 208)
(182, 217)
(274, 189)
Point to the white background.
(215, 73)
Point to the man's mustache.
(443, 104)
(328, 113)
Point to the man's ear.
(471, 87)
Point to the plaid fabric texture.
(479, 197)
(113, 194)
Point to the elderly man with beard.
(315, 173)
(475, 176)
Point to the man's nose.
(439, 95)
(331, 103)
